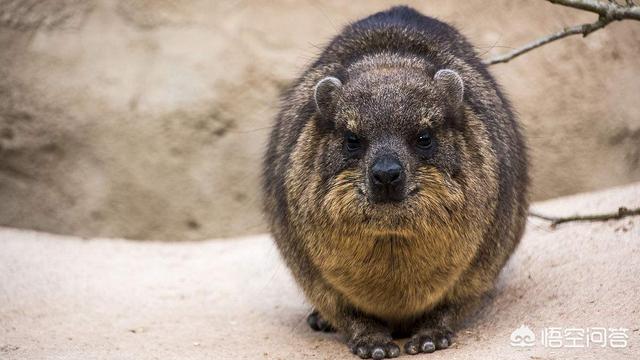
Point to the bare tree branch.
(608, 12)
(622, 212)
(584, 29)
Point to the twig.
(608, 12)
(622, 212)
(584, 29)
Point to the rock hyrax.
(395, 183)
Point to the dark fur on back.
(463, 225)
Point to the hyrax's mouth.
(385, 216)
(370, 198)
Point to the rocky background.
(147, 119)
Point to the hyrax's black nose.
(387, 179)
(386, 170)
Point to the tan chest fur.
(393, 277)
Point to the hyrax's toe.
(428, 341)
(374, 346)
(318, 323)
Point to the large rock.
(72, 298)
(147, 119)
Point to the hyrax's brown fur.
(416, 262)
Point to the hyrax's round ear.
(324, 94)
(451, 84)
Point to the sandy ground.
(73, 298)
(147, 119)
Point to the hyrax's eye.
(352, 142)
(424, 141)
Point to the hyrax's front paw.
(374, 346)
(318, 323)
(429, 340)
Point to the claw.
(428, 341)
(363, 352)
(427, 345)
(378, 353)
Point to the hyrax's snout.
(387, 179)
